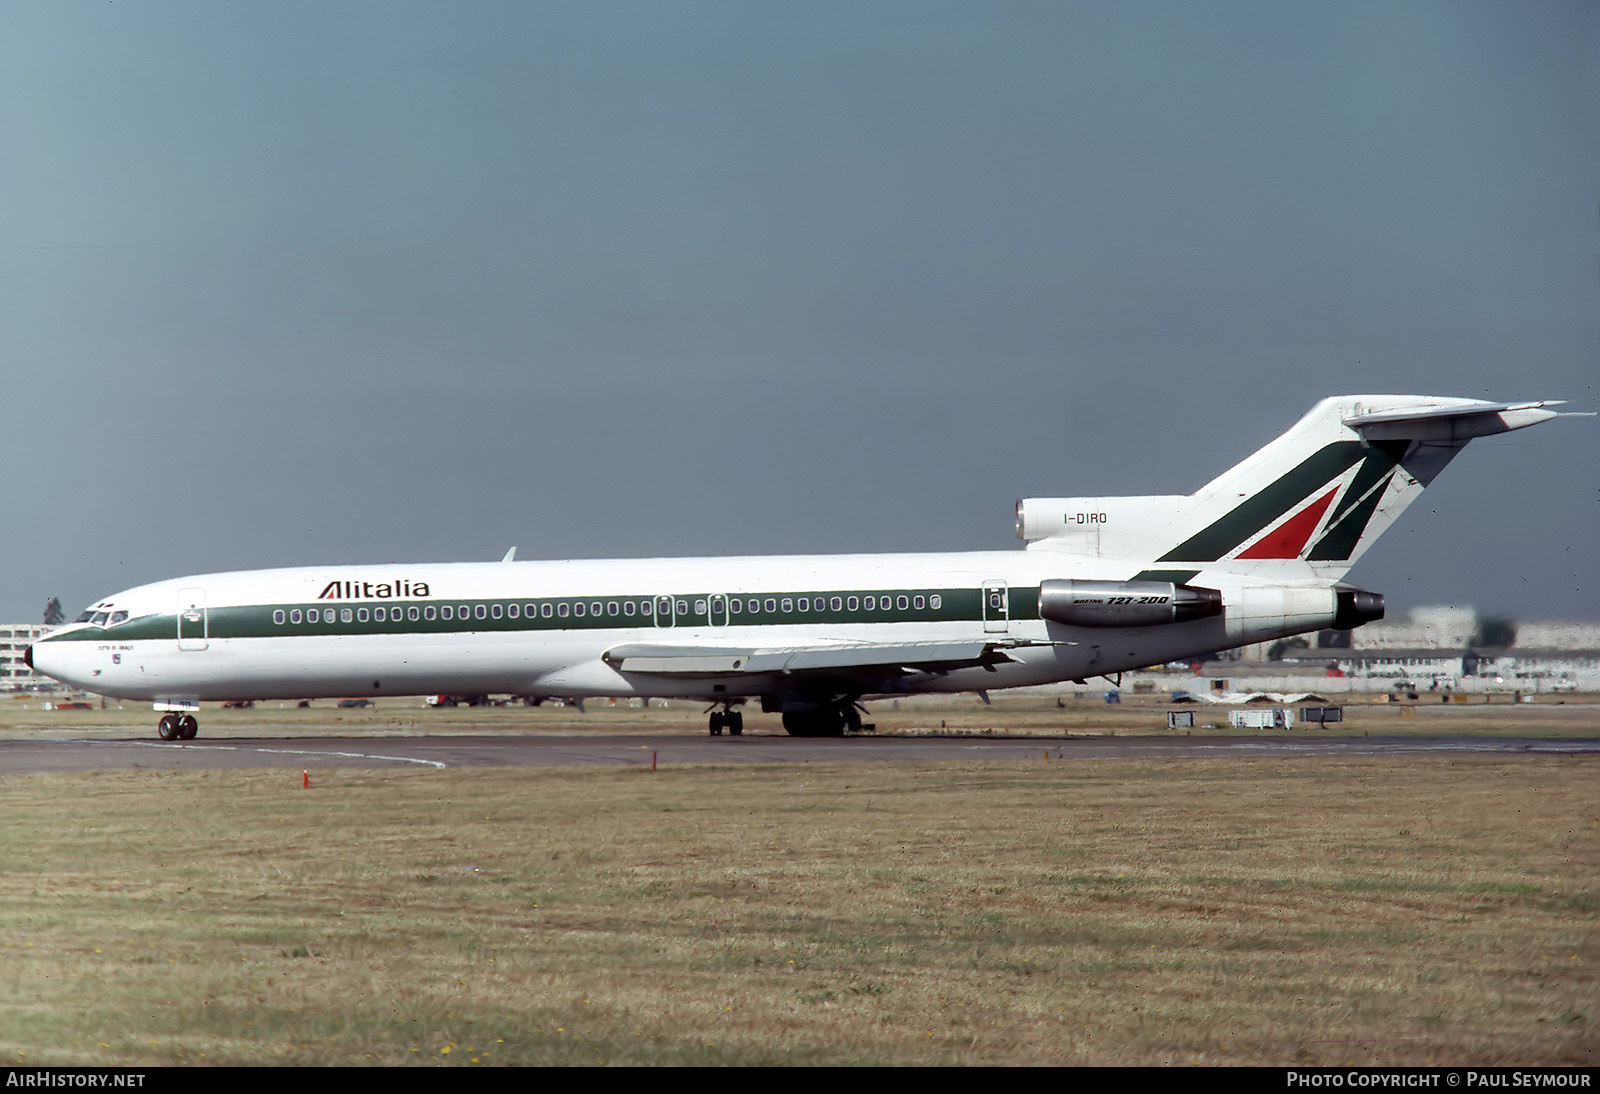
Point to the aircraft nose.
(27, 657)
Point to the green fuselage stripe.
(347, 617)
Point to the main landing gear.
(177, 727)
(730, 720)
(828, 720)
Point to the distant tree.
(1495, 632)
(53, 616)
(1276, 651)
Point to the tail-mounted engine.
(1355, 607)
(1124, 603)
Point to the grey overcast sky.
(287, 283)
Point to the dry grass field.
(1318, 911)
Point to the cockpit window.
(85, 617)
(118, 617)
(99, 618)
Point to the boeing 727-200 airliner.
(1105, 584)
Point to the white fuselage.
(545, 628)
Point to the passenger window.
(481, 612)
(465, 611)
(447, 612)
(871, 603)
(755, 606)
(803, 604)
(772, 605)
(836, 603)
(578, 608)
(683, 607)
(380, 614)
(902, 603)
(627, 607)
(547, 610)
(294, 616)
(918, 603)
(855, 603)
(735, 607)
(513, 610)
(563, 609)
(788, 604)
(429, 613)
(411, 612)
(935, 601)
(278, 616)
(646, 607)
(495, 610)
(611, 608)
(699, 607)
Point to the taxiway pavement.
(546, 750)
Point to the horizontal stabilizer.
(1455, 420)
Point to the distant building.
(14, 639)
(1558, 636)
(1434, 650)
(1436, 628)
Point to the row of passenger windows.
(716, 606)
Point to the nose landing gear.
(176, 727)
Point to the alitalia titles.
(374, 590)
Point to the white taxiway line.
(277, 751)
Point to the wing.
(848, 665)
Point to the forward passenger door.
(194, 632)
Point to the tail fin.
(1320, 494)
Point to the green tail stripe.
(1381, 459)
(1261, 509)
(1339, 542)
